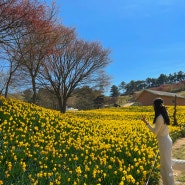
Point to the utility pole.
(175, 111)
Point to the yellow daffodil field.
(99, 147)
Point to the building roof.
(161, 93)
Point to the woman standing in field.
(160, 129)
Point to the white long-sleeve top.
(160, 128)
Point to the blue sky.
(146, 37)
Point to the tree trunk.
(62, 102)
(6, 89)
(34, 90)
(7, 86)
(63, 110)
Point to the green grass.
(179, 153)
(181, 178)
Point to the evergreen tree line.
(84, 98)
(129, 88)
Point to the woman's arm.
(157, 125)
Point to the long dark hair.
(159, 108)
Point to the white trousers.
(165, 151)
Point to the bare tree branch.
(73, 64)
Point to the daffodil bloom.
(83, 147)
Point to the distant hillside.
(173, 88)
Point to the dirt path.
(178, 159)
